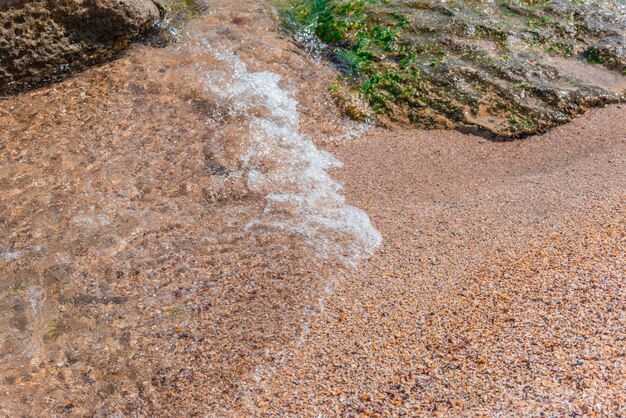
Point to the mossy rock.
(503, 69)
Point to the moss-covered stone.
(507, 69)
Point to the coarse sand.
(500, 289)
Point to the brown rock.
(42, 39)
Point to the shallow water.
(171, 222)
(283, 165)
(168, 223)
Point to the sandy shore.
(143, 276)
(499, 290)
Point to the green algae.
(366, 50)
(475, 65)
(174, 14)
(182, 10)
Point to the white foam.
(12, 255)
(286, 167)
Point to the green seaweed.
(367, 48)
(458, 63)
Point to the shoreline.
(492, 254)
(139, 279)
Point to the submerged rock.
(44, 39)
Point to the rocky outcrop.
(502, 69)
(43, 39)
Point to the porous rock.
(42, 39)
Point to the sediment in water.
(169, 225)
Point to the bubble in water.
(286, 167)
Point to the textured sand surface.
(500, 288)
(133, 284)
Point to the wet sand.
(131, 286)
(499, 290)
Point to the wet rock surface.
(42, 40)
(502, 69)
(505, 67)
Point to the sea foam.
(284, 165)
